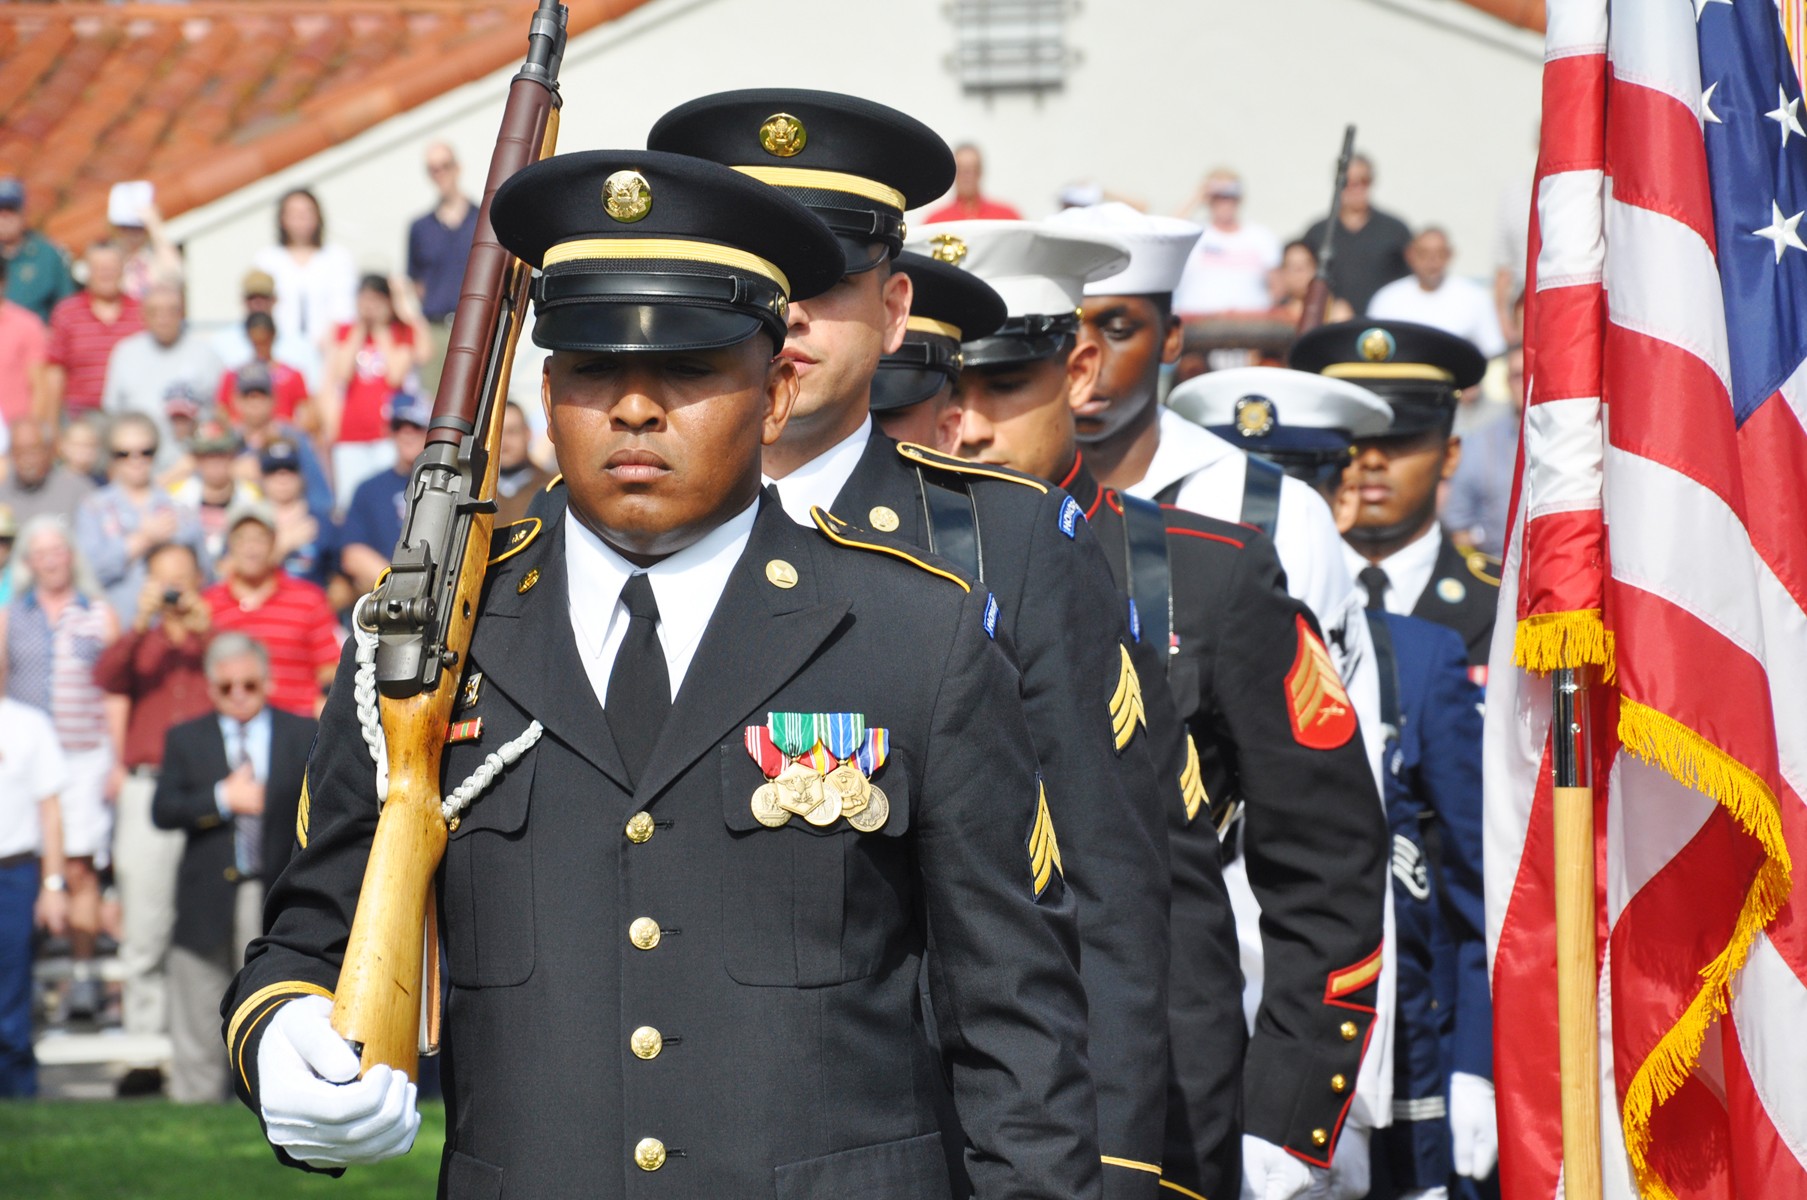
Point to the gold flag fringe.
(1552, 641)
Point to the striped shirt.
(51, 666)
(81, 343)
(298, 628)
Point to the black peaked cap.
(1417, 369)
(930, 357)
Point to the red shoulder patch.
(1322, 716)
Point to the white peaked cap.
(1300, 400)
(1038, 269)
(1158, 247)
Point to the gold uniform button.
(649, 1155)
(1318, 1138)
(640, 827)
(1348, 1029)
(883, 519)
(646, 1042)
(643, 933)
(1339, 1084)
(781, 574)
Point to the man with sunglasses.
(232, 783)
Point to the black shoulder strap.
(1261, 494)
(1150, 575)
(953, 526)
(1386, 665)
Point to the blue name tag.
(1069, 517)
(991, 616)
(1135, 622)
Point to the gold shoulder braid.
(842, 534)
(934, 459)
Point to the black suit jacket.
(784, 979)
(1463, 595)
(194, 760)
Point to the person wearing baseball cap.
(37, 270)
(373, 519)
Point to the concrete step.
(60, 1048)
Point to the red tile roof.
(203, 98)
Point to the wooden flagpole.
(1577, 978)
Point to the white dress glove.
(1349, 1169)
(1473, 1126)
(314, 1105)
(1270, 1173)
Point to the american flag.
(1659, 533)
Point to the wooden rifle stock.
(424, 609)
(1317, 296)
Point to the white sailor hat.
(1158, 247)
(1039, 270)
(1282, 414)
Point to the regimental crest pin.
(783, 136)
(947, 248)
(1451, 590)
(473, 688)
(627, 196)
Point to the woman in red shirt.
(369, 360)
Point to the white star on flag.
(1706, 113)
(1783, 114)
(1780, 230)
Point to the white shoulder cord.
(370, 724)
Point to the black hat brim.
(899, 386)
(1012, 350)
(629, 328)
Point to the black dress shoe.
(140, 1081)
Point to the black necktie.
(639, 686)
(1375, 580)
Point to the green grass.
(153, 1150)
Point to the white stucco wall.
(1446, 100)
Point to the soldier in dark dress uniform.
(755, 764)
(1397, 549)
(859, 165)
(1270, 728)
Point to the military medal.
(843, 734)
(799, 784)
(766, 809)
(874, 748)
(827, 809)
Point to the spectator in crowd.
(316, 280)
(214, 488)
(439, 246)
(287, 387)
(1480, 492)
(166, 356)
(1292, 280)
(151, 258)
(370, 359)
(234, 345)
(969, 202)
(35, 484)
(83, 331)
(121, 523)
(1511, 248)
(82, 446)
(1432, 296)
(1370, 244)
(292, 619)
(33, 877)
(373, 522)
(24, 341)
(518, 479)
(231, 783)
(153, 680)
(37, 272)
(259, 426)
(182, 411)
(53, 632)
(9, 533)
(1229, 267)
(307, 542)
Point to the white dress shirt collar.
(1409, 569)
(687, 586)
(817, 482)
(1183, 449)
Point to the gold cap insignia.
(883, 519)
(627, 196)
(781, 574)
(1254, 416)
(1376, 345)
(783, 136)
(527, 581)
(947, 248)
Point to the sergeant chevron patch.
(1126, 703)
(1322, 717)
(1192, 783)
(1044, 849)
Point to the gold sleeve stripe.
(301, 814)
(947, 462)
(1126, 702)
(1044, 847)
(828, 181)
(1111, 1160)
(931, 325)
(1352, 979)
(823, 519)
(289, 987)
(525, 531)
(681, 249)
(1166, 1183)
(1192, 783)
